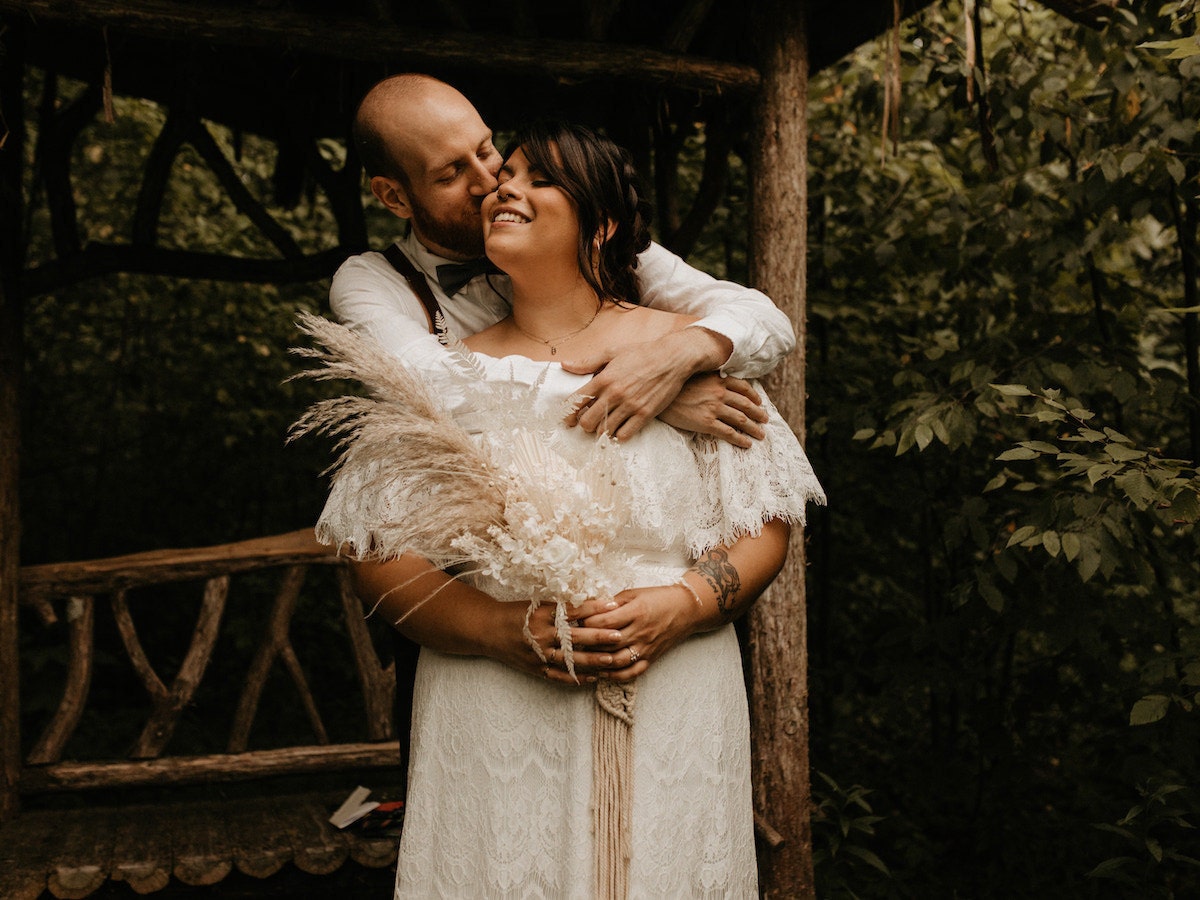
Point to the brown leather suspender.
(404, 649)
(417, 280)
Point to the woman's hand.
(619, 638)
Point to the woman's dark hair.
(599, 176)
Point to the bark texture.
(778, 624)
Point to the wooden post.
(12, 211)
(778, 624)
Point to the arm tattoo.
(720, 575)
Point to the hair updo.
(599, 177)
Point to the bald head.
(396, 117)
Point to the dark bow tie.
(453, 277)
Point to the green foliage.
(1001, 412)
(843, 823)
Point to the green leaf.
(869, 858)
(1070, 546)
(863, 434)
(1021, 534)
(1040, 446)
(1088, 562)
(1155, 848)
(1121, 453)
(996, 482)
(1113, 868)
(991, 596)
(1149, 709)
(924, 434)
(1137, 488)
(1017, 453)
(1051, 542)
(1185, 507)
(1013, 390)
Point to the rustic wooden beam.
(283, 30)
(57, 131)
(12, 252)
(275, 644)
(155, 178)
(378, 682)
(244, 202)
(98, 259)
(81, 619)
(778, 623)
(682, 30)
(101, 576)
(168, 704)
(718, 142)
(180, 770)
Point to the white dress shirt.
(371, 297)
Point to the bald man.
(431, 161)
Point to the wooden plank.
(27, 846)
(372, 852)
(203, 850)
(178, 770)
(161, 566)
(317, 847)
(363, 40)
(83, 853)
(260, 848)
(142, 847)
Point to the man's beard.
(463, 236)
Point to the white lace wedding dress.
(501, 770)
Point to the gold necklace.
(553, 342)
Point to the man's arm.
(442, 613)
(754, 333)
(372, 298)
(739, 332)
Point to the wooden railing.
(69, 852)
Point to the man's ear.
(391, 194)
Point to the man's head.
(430, 160)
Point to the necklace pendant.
(554, 351)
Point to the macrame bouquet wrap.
(503, 509)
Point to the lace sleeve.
(718, 492)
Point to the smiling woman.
(569, 784)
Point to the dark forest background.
(1004, 406)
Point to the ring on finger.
(633, 656)
(546, 671)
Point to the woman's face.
(528, 218)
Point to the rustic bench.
(147, 817)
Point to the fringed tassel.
(612, 787)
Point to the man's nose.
(483, 180)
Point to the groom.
(431, 161)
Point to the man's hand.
(635, 383)
(728, 408)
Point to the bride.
(506, 792)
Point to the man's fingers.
(743, 387)
(743, 424)
(745, 405)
